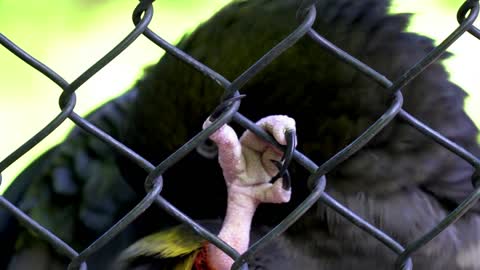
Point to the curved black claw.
(290, 148)
(286, 182)
(287, 156)
(224, 105)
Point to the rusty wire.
(142, 17)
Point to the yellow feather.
(187, 263)
(175, 242)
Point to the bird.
(401, 182)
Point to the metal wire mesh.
(142, 17)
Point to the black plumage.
(401, 182)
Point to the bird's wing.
(75, 189)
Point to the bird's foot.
(249, 163)
(248, 169)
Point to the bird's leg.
(247, 168)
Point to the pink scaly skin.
(247, 169)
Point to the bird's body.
(401, 182)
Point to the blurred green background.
(70, 36)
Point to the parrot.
(401, 181)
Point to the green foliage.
(437, 19)
(69, 37)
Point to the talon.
(287, 158)
(286, 183)
(291, 138)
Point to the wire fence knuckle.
(228, 110)
(471, 7)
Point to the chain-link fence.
(142, 17)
